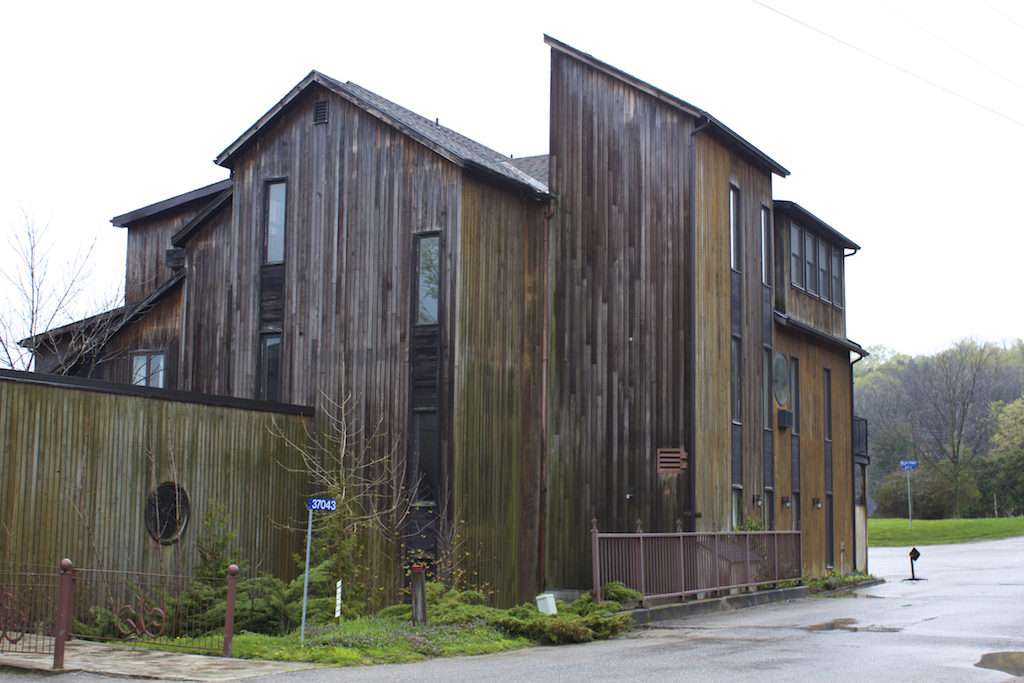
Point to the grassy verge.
(896, 532)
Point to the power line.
(893, 65)
(951, 46)
(1005, 15)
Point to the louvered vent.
(671, 460)
(320, 111)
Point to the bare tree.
(948, 397)
(42, 296)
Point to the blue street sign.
(908, 465)
(328, 504)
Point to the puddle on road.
(847, 625)
(1007, 662)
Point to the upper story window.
(269, 388)
(148, 369)
(736, 385)
(428, 278)
(735, 231)
(274, 236)
(815, 265)
(766, 245)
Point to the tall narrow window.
(270, 367)
(148, 369)
(766, 389)
(736, 385)
(737, 507)
(766, 246)
(425, 466)
(794, 391)
(428, 278)
(827, 401)
(824, 272)
(837, 276)
(735, 232)
(811, 263)
(796, 256)
(276, 210)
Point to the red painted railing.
(667, 565)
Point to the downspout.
(860, 357)
(689, 373)
(542, 508)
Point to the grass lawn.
(895, 532)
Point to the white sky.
(110, 106)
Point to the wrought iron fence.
(42, 610)
(666, 565)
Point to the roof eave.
(806, 217)
(126, 219)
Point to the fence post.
(715, 559)
(229, 610)
(775, 556)
(643, 587)
(65, 605)
(595, 558)
(747, 563)
(682, 561)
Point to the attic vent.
(320, 111)
(671, 460)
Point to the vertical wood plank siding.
(498, 404)
(148, 241)
(159, 330)
(815, 356)
(76, 469)
(795, 302)
(618, 294)
(717, 301)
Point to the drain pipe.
(864, 492)
(689, 378)
(542, 495)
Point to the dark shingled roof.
(536, 166)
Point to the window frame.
(811, 263)
(418, 240)
(263, 392)
(796, 255)
(735, 229)
(268, 186)
(766, 245)
(149, 355)
(736, 380)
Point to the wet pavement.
(963, 623)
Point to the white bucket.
(546, 603)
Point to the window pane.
(427, 469)
(737, 388)
(735, 254)
(139, 369)
(837, 276)
(827, 391)
(811, 270)
(737, 508)
(429, 279)
(767, 390)
(824, 261)
(766, 246)
(794, 391)
(796, 255)
(270, 368)
(275, 222)
(156, 370)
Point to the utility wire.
(893, 65)
(951, 46)
(1005, 15)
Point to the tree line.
(960, 414)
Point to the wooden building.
(545, 340)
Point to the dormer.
(810, 271)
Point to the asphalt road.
(969, 607)
(971, 604)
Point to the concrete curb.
(679, 610)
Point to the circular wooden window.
(167, 512)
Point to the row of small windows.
(815, 265)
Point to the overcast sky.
(901, 121)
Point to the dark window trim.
(735, 228)
(830, 299)
(267, 182)
(767, 398)
(798, 255)
(767, 252)
(148, 354)
(414, 455)
(794, 391)
(261, 379)
(736, 380)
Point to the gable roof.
(179, 238)
(809, 220)
(126, 219)
(536, 166)
(714, 125)
(457, 148)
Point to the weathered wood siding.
(617, 307)
(148, 242)
(77, 466)
(717, 316)
(814, 357)
(158, 330)
(498, 385)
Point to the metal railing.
(667, 565)
(42, 610)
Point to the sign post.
(908, 466)
(330, 505)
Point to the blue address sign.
(328, 504)
(908, 465)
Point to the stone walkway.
(137, 662)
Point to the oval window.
(167, 512)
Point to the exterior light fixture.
(787, 502)
(757, 499)
(817, 503)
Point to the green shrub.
(619, 592)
